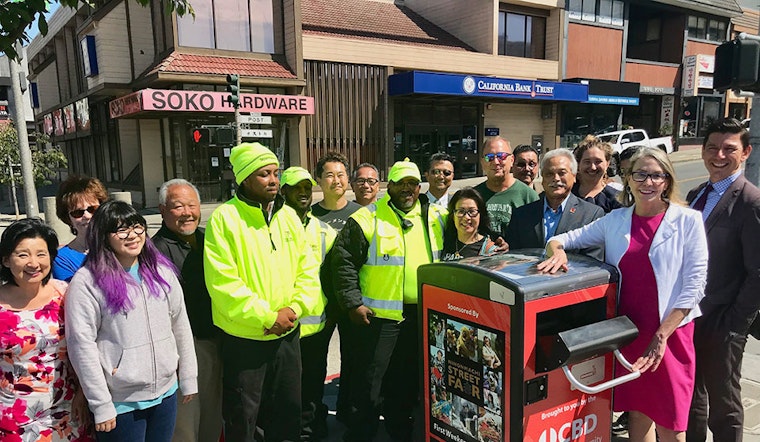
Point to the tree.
(46, 161)
(16, 16)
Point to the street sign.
(256, 133)
(254, 119)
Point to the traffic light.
(736, 65)
(233, 87)
(200, 135)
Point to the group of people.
(241, 314)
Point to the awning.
(434, 83)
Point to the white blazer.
(678, 253)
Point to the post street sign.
(254, 119)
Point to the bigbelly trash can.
(513, 355)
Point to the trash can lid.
(515, 271)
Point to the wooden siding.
(349, 113)
(652, 74)
(141, 35)
(112, 49)
(47, 87)
(472, 22)
(594, 52)
(698, 47)
(402, 57)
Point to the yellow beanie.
(247, 158)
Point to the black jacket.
(189, 262)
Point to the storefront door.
(422, 141)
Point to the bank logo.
(468, 85)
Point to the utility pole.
(752, 165)
(25, 153)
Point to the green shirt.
(501, 205)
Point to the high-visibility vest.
(381, 278)
(320, 237)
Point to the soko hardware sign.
(148, 100)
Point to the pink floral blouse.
(36, 388)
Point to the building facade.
(376, 80)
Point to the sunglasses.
(525, 165)
(78, 213)
(500, 155)
(443, 172)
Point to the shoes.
(620, 426)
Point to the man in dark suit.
(730, 206)
(557, 211)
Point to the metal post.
(25, 153)
(752, 165)
(238, 133)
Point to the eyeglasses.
(78, 213)
(444, 172)
(524, 165)
(123, 232)
(363, 181)
(500, 155)
(657, 178)
(472, 213)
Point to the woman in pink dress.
(37, 386)
(659, 247)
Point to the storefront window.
(706, 29)
(521, 35)
(197, 31)
(231, 24)
(581, 120)
(600, 11)
(239, 25)
(262, 24)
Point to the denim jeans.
(154, 424)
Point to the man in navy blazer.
(557, 211)
(730, 207)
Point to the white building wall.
(142, 36)
(47, 87)
(152, 162)
(112, 48)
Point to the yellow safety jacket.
(254, 268)
(381, 278)
(320, 237)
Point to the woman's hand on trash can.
(653, 355)
(557, 259)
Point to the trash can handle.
(606, 385)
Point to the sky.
(52, 7)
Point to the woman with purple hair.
(129, 337)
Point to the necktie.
(702, 200)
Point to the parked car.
(621, 139)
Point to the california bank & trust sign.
(421, 82)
